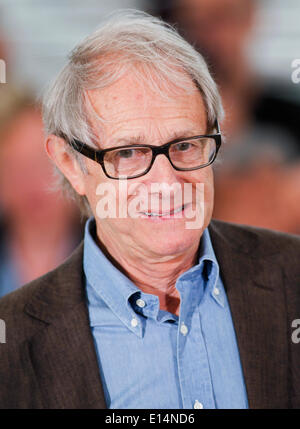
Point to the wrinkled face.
(134, 114)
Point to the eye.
(182, 147)
(126, 153)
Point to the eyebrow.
(143, 139)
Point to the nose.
(162, 171)
(164, 184)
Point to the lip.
(160, 216)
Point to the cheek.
(91, 184)
(92, 179)
(103, 195)
(204, 178)
(209, 193)
(209, 187)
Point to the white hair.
(127, 38)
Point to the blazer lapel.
(63, 355)
(257, 302)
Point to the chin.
(171, 243)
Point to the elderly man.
(160, 307)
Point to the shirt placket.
(192, 359)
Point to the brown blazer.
(49, 359)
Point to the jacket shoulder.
(250, 239)
(27, 316)
(46, 290)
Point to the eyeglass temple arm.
(83, 148)
(217, 126)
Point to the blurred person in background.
(259, 182)
(38, 227)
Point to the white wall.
(277, 37)
(40, 33)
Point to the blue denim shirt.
(150, 358)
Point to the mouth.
(171, 214)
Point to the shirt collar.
(209, 267)
(118, 291)
(206, 252)
(113, 287)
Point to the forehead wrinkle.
(128, 121)
(157, 132)
(142, 138)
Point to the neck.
(152, 274)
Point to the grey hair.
(125, 39)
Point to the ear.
(68, 165)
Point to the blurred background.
(250, 46)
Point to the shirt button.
(134, 322)
(198, 405)
(140, 302)
(183, 329)
(216, 291)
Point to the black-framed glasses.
(132, 161)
